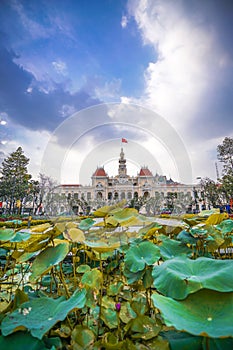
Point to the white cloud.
(60, 67)
(33, 144)
(67, 111)
(187, 64)
(124, 21)
(177, 79)
(109, 90)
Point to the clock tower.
(122, 170)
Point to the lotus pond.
(118, 280)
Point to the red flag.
(124, 140)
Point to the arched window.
(99, 195)
(116, 195)
(75, 195)
(129, 195)
(146, 195)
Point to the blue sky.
(174, 58)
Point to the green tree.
(210, 191)
(226, 187)
(46, 198)
(225, 154)
(154, 204)
(15, 180)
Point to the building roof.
(145, 172)
(100, 172)
(71, 185)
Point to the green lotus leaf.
(69, 225)
(21, 341)
(92, 279)
(82, 338)
(171, 248)
(21, 236)
(15, 222)
(91, 300)
(125, 214)
(133, 277)
(182, 340)
(145, 230)
(7, 234)
(104, 211)
(207, 213)
(41, 228)
(111, 221)
(109, 316)
(126, 312)
(186, 237)
(23, 257)
(159, 343)
(205, 313)
(101, 246)
(108, 312)
(198, 232)
(192, 221)
(134, 221)
(147, 279)
(219, 344)
(139, 304)
(83, 268)
(180, 276)
(74, 235)
(36, 242)
(86, 224)
(47, 259)
(53, 343)
(41, 314)
(215, 219)
(115, 288)
(111, 342)
(217, 239)
(140, 255)
(226, 226)
(20, 298)
(143, 327)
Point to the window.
(123, 195)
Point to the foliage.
(15, 181)
(225, 154)
(226, 187)
(83, 284)
(210, 191)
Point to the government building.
(105, 190)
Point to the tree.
(46, 192)
(225, 154)
(154, 204)
(14, 181)
(210, 191)
(226, 187)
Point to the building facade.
(107, 190)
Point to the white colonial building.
(106, 190)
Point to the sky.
(78, 75)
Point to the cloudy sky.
(77, 76)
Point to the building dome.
(100, 172)
(145, 172)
